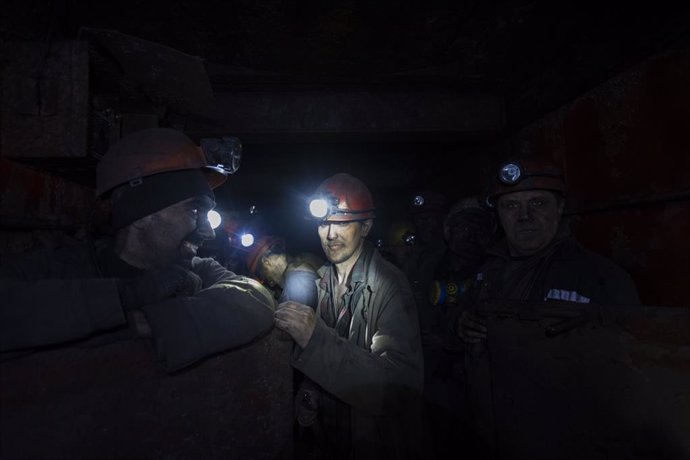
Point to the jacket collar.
(359, 270)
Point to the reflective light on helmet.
(225, 152)
(418, 200)
(318, 208)
(247, 239)
(510, 173)
(214, 219)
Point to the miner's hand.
(471, 328)
(296, 319)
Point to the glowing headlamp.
(510, 173)
(225, 152)
(246, 239)
(214, 219)
(418, 200)
(513, 172)
(320, 207)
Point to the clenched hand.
(471, 328)
(296, 319)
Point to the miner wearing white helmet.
(160, 186)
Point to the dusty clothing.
(562, 271)
(71, 294)
(420, 269)
(371, 379)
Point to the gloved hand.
(156, 285)
(471, 328)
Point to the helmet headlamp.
(341, 198)
(513, 172)
(247, 239)
(527, 174)
(322, 206)
(214, 218)
(224, 152)
(510, 173)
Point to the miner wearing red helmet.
(292, 277)
(529, 197)
(399, 244)
(527, 174)
(360, 350)
(160, 185)
(537, 263)
(426, 209)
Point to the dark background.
(405, 95)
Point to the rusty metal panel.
(39, 210)
(650, 241)
(114, 401)
(29, 195)
(45, 93)
(625, 150)
(625, 139)
(628, 139)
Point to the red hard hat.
(348, 197)
(520, 175)
(259, 248)
(152, 151)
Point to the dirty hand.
(296, 319)
(471, 328)
(156, 285)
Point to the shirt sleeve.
(229, 312)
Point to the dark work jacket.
(371, 381)
(70, 294)
(564, 270)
